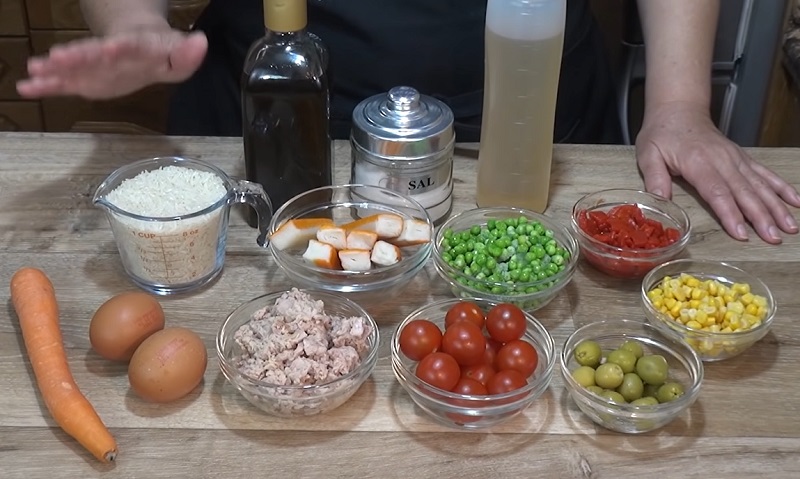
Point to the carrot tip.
(110, 456)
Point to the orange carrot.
(34, 300)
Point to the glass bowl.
(685, 367)
(529, 293)
(343, 204)
(630, 263)
(296, 400)
(711, 345)
(462, 411)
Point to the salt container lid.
(402, 124)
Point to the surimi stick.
(322, 255)
(385, 254)
(358, 239)
(355, 259)
(333, 235)
(295, 232)
(386, 225)
(414, 232)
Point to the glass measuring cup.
(179, 253)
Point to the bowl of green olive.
(628, 377)
(505, 255)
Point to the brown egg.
(120, 324)
(168, 365)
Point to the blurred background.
(756, 98)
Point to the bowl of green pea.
(505, 254)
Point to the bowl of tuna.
(298, 352)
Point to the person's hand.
(680, 139)
(114, 65)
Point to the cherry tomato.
(506, 322)
(506, 381)
(518, 355)
(465, 310)
(419, 338)
(490, 353)
(439, 370)
(465, 342)
(479, 372)
(470, 387)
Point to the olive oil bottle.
(286, 105)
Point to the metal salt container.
(404, 141)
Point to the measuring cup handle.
(253, 194)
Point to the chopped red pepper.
(625, 227)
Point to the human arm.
(133, 47)
(678, 136)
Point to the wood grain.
(745, 424)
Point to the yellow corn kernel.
(702, 317)
(751, 309)
(675, 311)
(728, 298)
(747, 298)
(714, 328)
(680, 294)
(726, 330)
(694, 325)
(741, 288)
(694, 303)
(669, 302)
(735, 306)
(762, 312)
(760, 301)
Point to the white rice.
(169, 252)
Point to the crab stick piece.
(414, 232)
(333, 235)
(322, 255)
(359, 239)
(386, 225)
(385, 254)
(355, 259)
(297, 231)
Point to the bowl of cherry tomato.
(626, 233)
(472, 363)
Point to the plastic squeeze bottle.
(286, 105)
(524, 41)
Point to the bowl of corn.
(719, 310)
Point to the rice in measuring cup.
(169, 252)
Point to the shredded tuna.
(294, 342)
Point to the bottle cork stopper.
(285, 15)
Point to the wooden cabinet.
(32, 27)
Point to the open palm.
(108, 67)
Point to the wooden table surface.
(746, 422)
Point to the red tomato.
(419, 338)
(479, 372)
(506, 381)
(518, 355)
(470, 387)
(465, 342)
(492, 347)
(506, 322)
(464, 310)
(439, 370)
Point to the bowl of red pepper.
(626, 233)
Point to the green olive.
(624, 358)
(669, 392)
(613, 396)
(595, 389)
(631, 387)
(650, 390)
(588, 353)
(653, 369)
(633, 346)
(608, 376)
(645, 401)
(584, 375)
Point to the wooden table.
(746, 422)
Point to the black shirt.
(435, 46)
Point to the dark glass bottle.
(286, 106)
